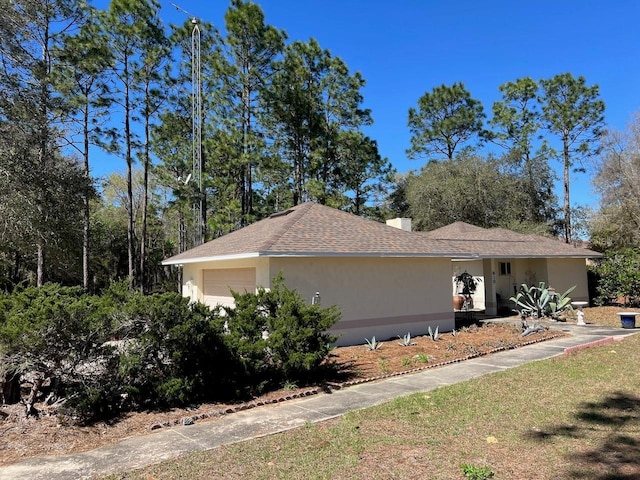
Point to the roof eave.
(524, 255)
(371, 254)
(212, 258)
(293, 254)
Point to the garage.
(218, 284)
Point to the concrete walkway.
(140, 451)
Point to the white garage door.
(219, 283)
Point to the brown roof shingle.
(311, 229)
(317, 230)
(500, 242)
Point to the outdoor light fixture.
(315, 300)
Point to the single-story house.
(386, 280)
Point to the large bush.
(56, 335)
(618, 277)
(174, 353)
(94, 356)
(277, 338)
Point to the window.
(505, 268)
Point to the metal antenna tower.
(196, 115)
(196, 126)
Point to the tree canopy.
(446, 118)
(472, 189)
(281, 124)
(617, 224)
(283, 121)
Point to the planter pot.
(458, 302)
(628, 319)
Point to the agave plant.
(560, 303)
(540, 301)
(532, 301)
(405, 340)
(373, 344)
(434, 334)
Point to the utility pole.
(198, 205)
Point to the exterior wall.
(387, 297)
(381, 297)
(490, 303)
(532, 271)
(564, 273)
(559, 273)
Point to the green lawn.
(571, 417)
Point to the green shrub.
(540, 301)
(96, 397)
(50, 330)
(57, 335)
(618, 276)
(176, 355)
(277, 338)
(123, 350)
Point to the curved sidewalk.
(140, 451)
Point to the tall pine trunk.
(86, 213)
(145, 192)
(567, 203)
(43, 133)
(127, 133)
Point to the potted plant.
(466, 285)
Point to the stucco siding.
(384, 297)
(490, 300)
(564, 273)
(390, 296)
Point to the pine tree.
(574, 112)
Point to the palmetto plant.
(540, 301)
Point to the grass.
(570, 417)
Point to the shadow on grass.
(615, 420)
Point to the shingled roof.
(311, 229)
(316, 230)
(503, 243)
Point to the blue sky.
(405, 48)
